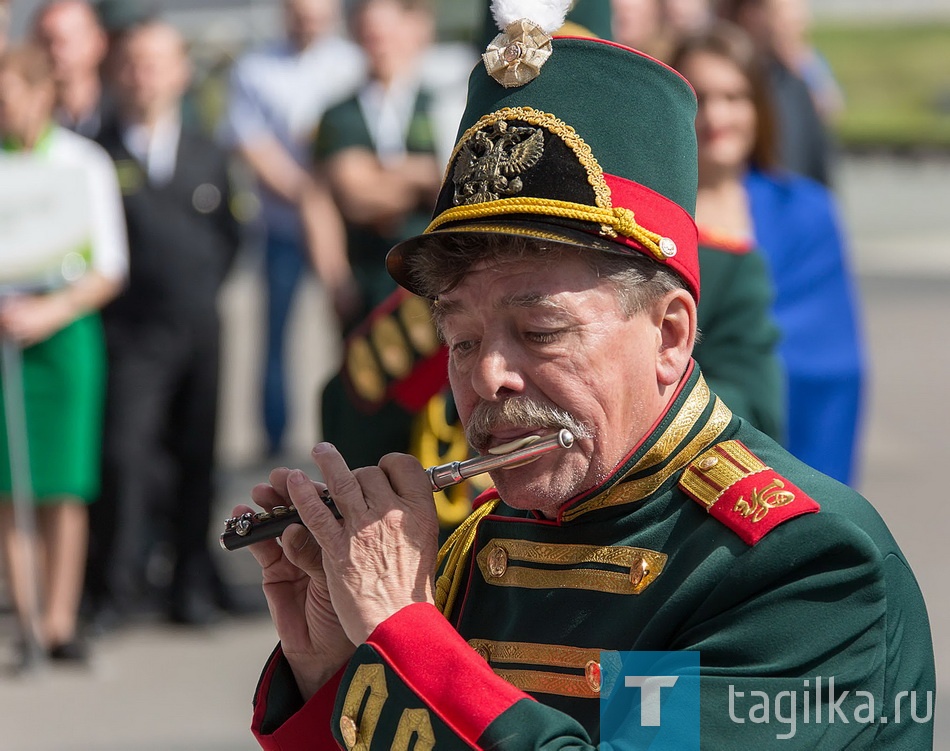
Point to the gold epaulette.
(742, 492)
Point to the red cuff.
(435, 662)
(309, 727)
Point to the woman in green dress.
(57, 331)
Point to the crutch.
(24, 517)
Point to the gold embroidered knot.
(762, 501)
(625, 224)
(514, 57)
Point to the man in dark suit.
(162, 333)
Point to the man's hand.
(295, 584)
(382, 556)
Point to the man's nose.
(496, 374)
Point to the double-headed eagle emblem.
(490, 162)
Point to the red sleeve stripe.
(310, 727)
(430, 657)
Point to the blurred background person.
(805, 143)
(791, 27)
(163, 338)
(639, 24)
(4, 23)
(60, 334)
(682, 17)
(277, 95)
(377, 153)
(70, 32)
(744, 194)
(377, 149)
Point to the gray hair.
(445, 259)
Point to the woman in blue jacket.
(744, 196)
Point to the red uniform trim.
(659, 214)
(489, 494)
(428, 378)
(430, 657)
(721, 241)
(309, 727)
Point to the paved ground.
(156, 688)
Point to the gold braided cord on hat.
(616, 220)
(455, 554)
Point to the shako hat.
(570, 140)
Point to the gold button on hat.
(349, 731)
(497, 561)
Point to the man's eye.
(541, 337)
(463, 347)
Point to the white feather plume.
(548, 14)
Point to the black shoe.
(73, 651)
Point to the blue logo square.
(649, 700)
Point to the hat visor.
(398, 260)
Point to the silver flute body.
(249, 528)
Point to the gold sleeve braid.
(454, 554)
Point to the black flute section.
(246, 529)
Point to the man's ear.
(676, 319)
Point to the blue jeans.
(284, 264)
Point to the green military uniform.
(709, 537)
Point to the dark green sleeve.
(795, 633)
(737, 350)
(341, 127)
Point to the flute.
(248, 528)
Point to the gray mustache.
(518, 412)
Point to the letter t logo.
(650, 686)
